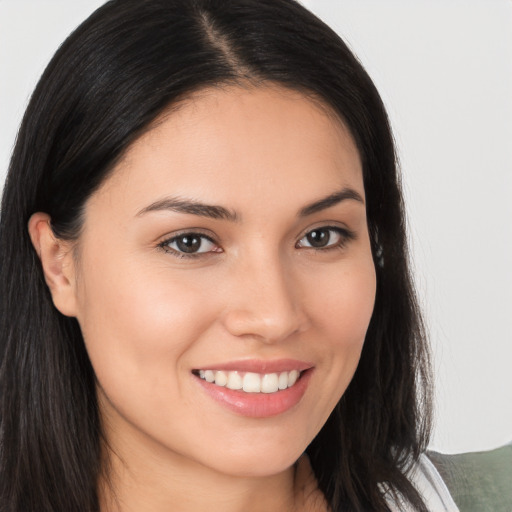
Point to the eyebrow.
(331, 200)
(189, 206)
(180, 205)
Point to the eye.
(327, 237)
(189, 245)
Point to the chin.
(260, 461)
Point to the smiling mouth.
(250, 382)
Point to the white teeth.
(221, 379)
(270, 383)
(234, 381)
(283, 380)
(292, 378)
(251, 382)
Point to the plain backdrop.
(444, 70)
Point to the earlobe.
(57, 261)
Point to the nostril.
(269, 328)
(265, 303)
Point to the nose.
(264, 302)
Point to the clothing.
(423, 476)
(428, 482)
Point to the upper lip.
(260, 365)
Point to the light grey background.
(444, 69)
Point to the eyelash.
(345, 237)
(344, 234)
(179, 254)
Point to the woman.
(205, 293)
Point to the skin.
(259, 291)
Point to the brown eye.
(325, 238)
(319, 237)
(190, 244)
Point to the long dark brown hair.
(106, 84)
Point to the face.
(230, 244)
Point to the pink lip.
(260, 405)
(261, 366)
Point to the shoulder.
(428, 482)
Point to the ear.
(57, 261)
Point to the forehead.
(236, 143)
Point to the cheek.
(342, 319)
(138, 324)
(344, 303)
(340, 312)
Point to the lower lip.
(258, 405)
